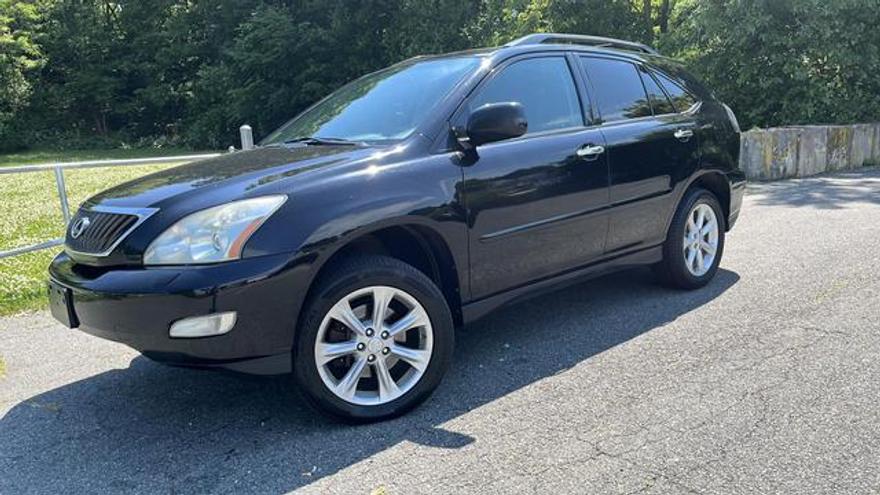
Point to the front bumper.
(137, 306)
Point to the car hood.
(228, 176)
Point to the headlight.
(212, 235)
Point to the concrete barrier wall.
(785, 152)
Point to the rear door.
(536, 204)
(650, 146)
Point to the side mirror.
(496, 122)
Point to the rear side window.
(618, 86)
(545, 89)
(681, 98)
(659, 102)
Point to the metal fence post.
(62, 193)
(247, 137)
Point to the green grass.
(31, 214)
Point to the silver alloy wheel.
(374, 345)
(700, 239)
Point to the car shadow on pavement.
(154, 428)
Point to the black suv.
(348, 246)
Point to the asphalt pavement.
(766, 381)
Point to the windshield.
(385, 106)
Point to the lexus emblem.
(79, 227)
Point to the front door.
(536, 204)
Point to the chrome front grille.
(97, 232)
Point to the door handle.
(683, 134)
(590, 152)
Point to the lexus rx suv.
(347, 247)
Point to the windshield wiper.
(322, 141)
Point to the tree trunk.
(648, 23)
(664, 16)
(100, 119)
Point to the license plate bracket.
(61, 304)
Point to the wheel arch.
(408, 240)
(714, 181)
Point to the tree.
(19, 56)
(500, 21)
(77, 90)
(784, 62)
(285, 57)
(104, 72)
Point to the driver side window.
(543, 86)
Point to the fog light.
(203, 326)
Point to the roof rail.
(580, 39)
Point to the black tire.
(344, 278)
(673, 271)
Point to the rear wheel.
(376, 340)
(695, 243)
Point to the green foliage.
(783, 62)
(500, 21)
(284, 58)
(19, 55)
(101, 73)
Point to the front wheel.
(695, 242)
(375, 342)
